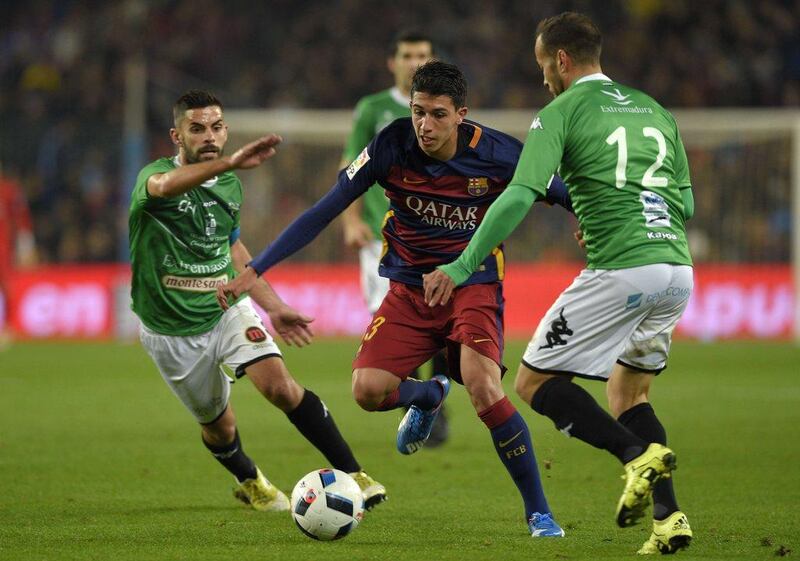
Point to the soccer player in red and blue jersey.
(440, 173)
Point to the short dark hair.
(194, 99)
(441, 78)
(408, 36)
(574, 33)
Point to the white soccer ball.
(327, 504)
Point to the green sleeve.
(681, 162)
(503, 216)
(682, 178)
(237, 215)
(362, 133)
(542, 152)
(688, 202)
(139, 195)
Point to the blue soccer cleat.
(415, 428)
(543, 526)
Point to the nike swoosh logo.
(414, 181)
(504, 443)
(480, 340)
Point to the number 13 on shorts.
(373, 327)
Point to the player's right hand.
(254, 154)
(235, 288)
(357, 234)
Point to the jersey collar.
(398, 96)
(593, 77)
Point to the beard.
(195, 157)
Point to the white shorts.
(608, 316)
(193, 366)
(373, 286)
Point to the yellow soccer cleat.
(640, 473)
(261, 494)
(669, 535)
(374, 493)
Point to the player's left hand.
(293, 327)
(438, 287)
(235, 288)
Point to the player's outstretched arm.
(185, 178)
(502, 218)
(293, 326)
(255, 153)
(296, 236)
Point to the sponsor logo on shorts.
(255, 334)
(672, 291)
(634, 301)
(477, 186)
(193, 284)
(558, 330)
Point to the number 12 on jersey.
(620, 138)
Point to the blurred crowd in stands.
(62, 76)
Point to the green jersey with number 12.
(623, 161)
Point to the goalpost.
(745, 166)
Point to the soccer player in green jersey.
(184, 242)
(623, 161)
(362, 221)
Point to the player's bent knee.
(219, 433)
(524, 388)
(483, 391)
(369, 390)
(527, 382)
(274, 382)
(368, 397)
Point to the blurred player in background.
(362, 221)
(17, 246)
(184, 241)
(441, 173)
(623, 161)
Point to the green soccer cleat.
(260, 494)
(374, 493)
(640, 474)
(669, 535)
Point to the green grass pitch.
(99, 461)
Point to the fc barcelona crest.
(477, 186)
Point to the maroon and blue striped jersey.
(435, 206)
